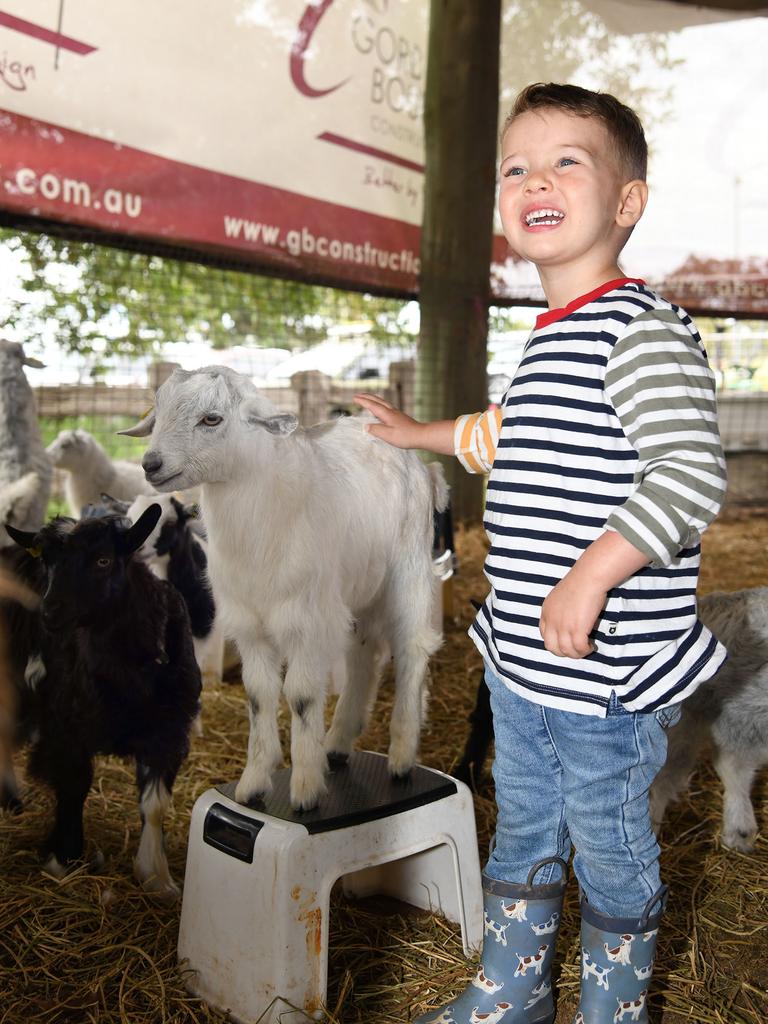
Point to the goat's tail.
(440, 489)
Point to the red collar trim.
(552, 315)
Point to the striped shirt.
(610, 423)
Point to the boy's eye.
(514, 172)
(565, 161)
(211, 419)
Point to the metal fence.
(110, 324)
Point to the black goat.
(117, 675)
(188, 568)
(470, 767)
(176, 550)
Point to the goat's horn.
(143, 428)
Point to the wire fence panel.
(111, 324)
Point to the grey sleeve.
(663, 392)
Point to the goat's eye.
(104, 562)
(211, 420)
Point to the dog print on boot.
(525, 963)
(498, 931)
(540, 991)
(548, 926)
(632, 1007)
(515, 911)
(484, 983)
(619, 954)
(490, 1018)
(589, 967)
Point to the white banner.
(291, 132)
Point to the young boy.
(605, 467)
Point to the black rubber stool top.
(361, 790)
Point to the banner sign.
(289, 134)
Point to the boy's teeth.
(544, 216)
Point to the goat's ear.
(143, 428)
(132, 539)
(282, 423)
(24, 539)
(114, 504)
(182, 512)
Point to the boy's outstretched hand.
(403, 431)
(395, 427)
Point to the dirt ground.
(93, 948)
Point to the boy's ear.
(634, 196)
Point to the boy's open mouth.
(543, 217)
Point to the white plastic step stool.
(254, 917)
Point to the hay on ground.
(94, 948)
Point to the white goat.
(90, 471)
(320, 543)
(729, 712)
(25, 469)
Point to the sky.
(708, 167)
(709, 164)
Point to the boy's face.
(561, 190)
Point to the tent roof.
(630, 17)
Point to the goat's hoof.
(739, 840)
(403, 775)
(252, 789)
(305, 794)
(54, 867)
(337, 758)
(164, 890)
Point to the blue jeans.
(566, 779)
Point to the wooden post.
(160, 371)
(314, 389)
(402, 385)
(461, 117)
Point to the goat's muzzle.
(152, 463)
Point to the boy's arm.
(403, 431)
(663, 392)
(572, 608)
(472, 438)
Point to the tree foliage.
(105, 301)
(563, 41)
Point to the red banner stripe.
(46, 35)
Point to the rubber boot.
(617, 963)
(512, 984)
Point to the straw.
(94, 948)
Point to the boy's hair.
(621, 122)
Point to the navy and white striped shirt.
(609, 423)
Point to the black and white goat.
(115, 674)
(177, 552)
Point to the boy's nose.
(537, 182)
